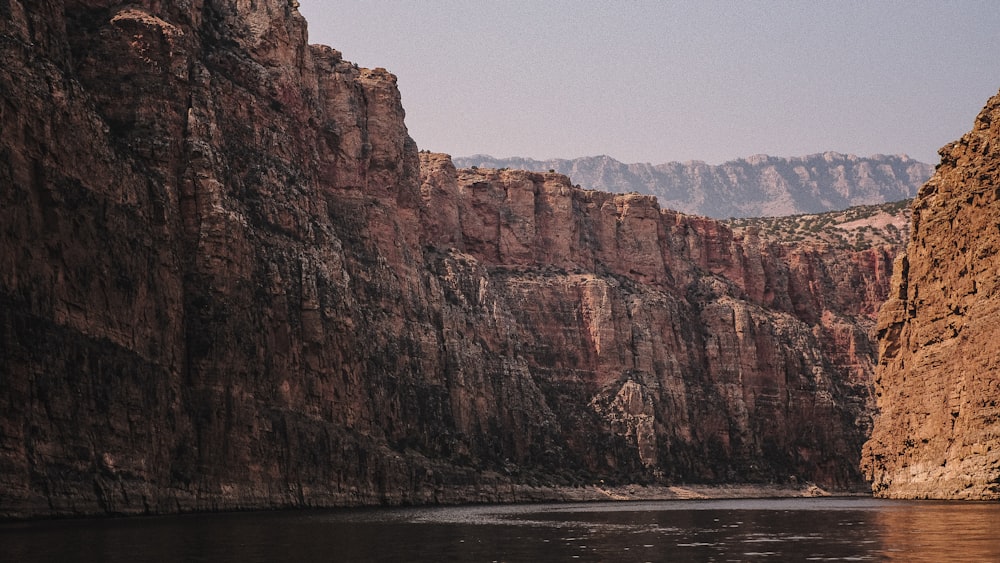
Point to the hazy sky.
(665, 81)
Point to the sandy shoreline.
(493, 494)
(625, 493)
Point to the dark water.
(855, 529)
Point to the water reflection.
(938, 531)
(855, 529)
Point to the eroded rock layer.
(228, 280)
(938, 380)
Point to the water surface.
(825, 529)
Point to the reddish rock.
(712, 356)
(225, 282)
(938, 432)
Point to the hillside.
(858, 228)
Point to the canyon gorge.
(229, 279)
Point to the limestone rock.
(938, 432)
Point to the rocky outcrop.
(228, 280)
(757, 186)
(938, 434)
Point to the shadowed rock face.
(227, 280)
(938, 435)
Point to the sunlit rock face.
(229, 280)
(938, 379)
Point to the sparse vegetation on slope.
(858, 227)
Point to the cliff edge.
(938, 379)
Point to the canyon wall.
(730, 357)
(938, 434)
(229, 280)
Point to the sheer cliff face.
(714, 356)
(938, 435)
(224, 282)
(198, 215)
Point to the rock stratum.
(757, 186)
(938, 435)
(228, 280)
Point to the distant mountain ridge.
(756, 186)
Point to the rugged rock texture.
(714, 355)
(758, 186)
(938, 379)
(225, 283)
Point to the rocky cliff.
(229, 280)
(938, 435)
(757, 186)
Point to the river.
(802, 529)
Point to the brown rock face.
(938, 434)
(713, 357)
(227, 280)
